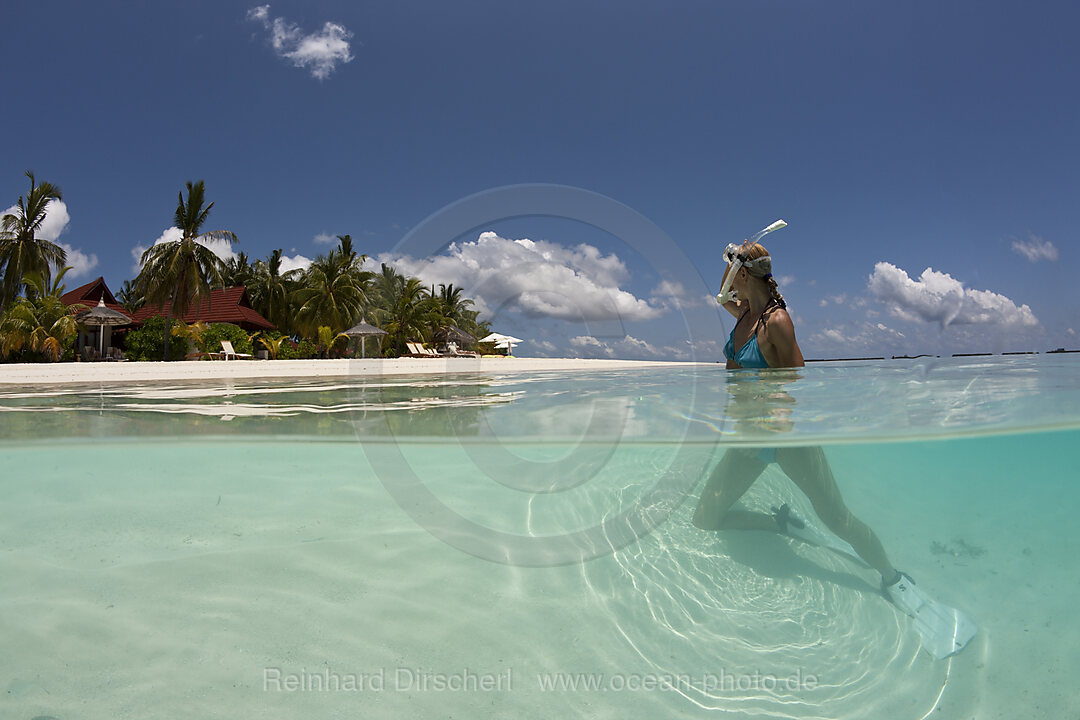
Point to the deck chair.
(418, 350)
(227, 351)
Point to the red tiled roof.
(230, 305)
(90, 293)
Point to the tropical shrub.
(38, 327)
(306, 349)
(148, 342)
(217, 332)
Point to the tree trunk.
(168, 327)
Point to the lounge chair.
(418, 350)
(227, 350)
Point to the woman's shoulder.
(778, 320)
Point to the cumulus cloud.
(318, 52)
(855, 338)
(536, 278)
(545, 347)
(324, 239)
(80, 263)
(627, 346)
(938, 297)
(296, 262)
(55, 223)
(1035, 249)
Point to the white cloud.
(1070, 332)
(536, 278)
(934, 297)
(324, 239)
(983, 307)
(55, 223)
(545, 347)
(940, 298)
(320, 52)
(783, 280)
(80, 262)
(1035, 249)
(855, 339)
(585, 341)
(296, 262)
(627, 346)
(671, 289)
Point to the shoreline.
(122, 372)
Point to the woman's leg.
(732, 476)
(809, 469)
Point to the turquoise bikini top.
(749, 355)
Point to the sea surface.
(521, 545)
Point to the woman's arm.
(735, 307)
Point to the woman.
(764, 337)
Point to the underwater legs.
(808, 468)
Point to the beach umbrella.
(503, 341)
(363, 331)
(102, 316)
(500, 338)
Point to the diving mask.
(734, 256)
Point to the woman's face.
(740, 280)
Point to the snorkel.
(735, 258)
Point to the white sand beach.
(117, 372)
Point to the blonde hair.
(763, 270)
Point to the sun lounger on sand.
(227, 351)
(418, 350)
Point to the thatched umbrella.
(452, 333)
(363, 331)
(102, 316)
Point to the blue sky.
(924, 154)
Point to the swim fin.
(944, 630)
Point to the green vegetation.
(38, 327)
(148, 342)
(310, 308)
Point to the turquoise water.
(521, 545)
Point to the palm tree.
(408, 313)
(270, 289)
(21, 251)
(129, 297)
(181, 272)
(40, 323)
(334, 291)
(238, 272)
(450, 307)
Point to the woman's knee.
(838, 519)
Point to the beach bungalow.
(89, 295)
(228, 305)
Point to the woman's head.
(757, 267)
